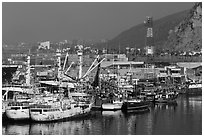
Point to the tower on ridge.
(149, 39)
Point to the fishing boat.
(150, 97)
(15, 102)
(16, 98)
(135, 102)
(18, 110)
(54, 108)
(58, 107)
(147, 96)
(98, 103)
(99, 93)
(115, 105)
(194, 88)
(136, 105)
(169, 97)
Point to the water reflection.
(16, 129)
(112, 113)
(61, 128)
(183, 118)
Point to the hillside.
(135, 36)
(187, 36)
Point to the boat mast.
(99, 80)
(65, 61)
(91, 66)
(59, 72)
(80, 53)
(59, 64)
(28, 71)
(69, 67)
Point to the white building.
(44, 45)
(149, 50)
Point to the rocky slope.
(187, 36)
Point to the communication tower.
(149, 39)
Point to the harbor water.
(184, 118)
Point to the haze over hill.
(31, 22)
(176, 31)
(135, 36)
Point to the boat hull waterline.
(21, 114)
(46, 115)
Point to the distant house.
(44, 45)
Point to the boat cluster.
(130, 99)
(67, 98)
(49, 107)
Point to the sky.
(56, 21)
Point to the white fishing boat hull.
(21, 114)
(112, 106)
(59, 114)
(194, 89)
(195, 86)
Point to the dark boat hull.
(96, 108)
(194, 91)
(135, 106)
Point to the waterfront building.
(192, 70)
(131, 71)
(173, 73)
